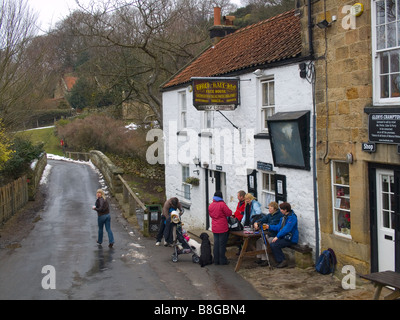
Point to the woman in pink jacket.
(219, 212)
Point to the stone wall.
(109, 171)
(343, 65)
(35, 174)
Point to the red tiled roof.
(70, 82)
(268, 41)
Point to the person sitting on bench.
(273, 217)
(287, 235)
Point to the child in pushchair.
(180, 240)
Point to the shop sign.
(215, 93)
(368, 147)
(384, 128)
(265, 166)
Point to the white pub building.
(240, 117)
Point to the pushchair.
(180, 244)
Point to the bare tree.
(137, 45)
(19, 77)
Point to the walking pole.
(266, 246)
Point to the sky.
(51, 11)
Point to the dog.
(205, 250)
(195, 246)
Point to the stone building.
(357, 94)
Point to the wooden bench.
(383, 279)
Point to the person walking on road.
(103, 217)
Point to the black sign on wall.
(384, 128)
(368, 147)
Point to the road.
(63, 242)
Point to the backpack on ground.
(326, 262)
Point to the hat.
(218, 194)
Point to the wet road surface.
(65, 239)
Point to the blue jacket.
(255, 209)
(289, 228)
(271, 219)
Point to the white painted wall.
(291, 94)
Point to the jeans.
(161, 229)
(276, 248)
(220, 240)
(105, 220)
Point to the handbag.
(234, 224)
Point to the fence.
(13, 197)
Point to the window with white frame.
(341, 198)
(267, 102)
(208, 119)
(268, 190)
(185, 186)
(183, 109)
(386, 50)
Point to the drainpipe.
(314, 120)
(207, 201)
(310, 30)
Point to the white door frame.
(385, 231)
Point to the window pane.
(380, 34)
(385, 219)
(384, 63)
(385, 201)
(265, 181)
(391, 35)
(272, 182)
(185, 173)
(394, 61)
(390, 11)
(271, 93)
(265, 92)
(398, 32)
(342, 173)
(395, 84)
(385, 186)
(186, 191)
(384, 86)
(380, 12)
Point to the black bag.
(255, 218)
(326, 262)
(234, 224)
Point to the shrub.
(5, 150)
(103, 133)
(24, 152)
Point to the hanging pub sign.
(384, 128)
(215, 93)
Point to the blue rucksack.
(326, 262)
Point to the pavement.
(289, 283)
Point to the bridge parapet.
(109, 171)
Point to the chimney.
(217, 16)
(218, 31)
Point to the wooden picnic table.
(244, 252)
(383, 279)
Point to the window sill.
(205, 134)
(342, 235)
(262, 136)
(382, 109)
(185, 204)
(182, 132)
